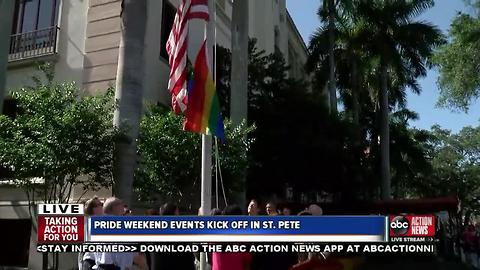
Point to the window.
(168, 16)
(34, 30)
(33, 15)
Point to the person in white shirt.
(93, 207)
(114, 261)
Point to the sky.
(304, 15)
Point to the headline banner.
(212, 229)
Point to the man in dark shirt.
(170, 260)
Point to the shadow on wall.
(71, 42)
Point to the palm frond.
(405, 114)
(402, 11)
(317, 48)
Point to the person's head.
(286, 211)
(94, 207)
(252, 208)
(215, 212)
(232, 210)
(305, 213)
(126, 210)
(271, 209)
(315, 210)
(169, 209)
(113, 206)
(153, 212)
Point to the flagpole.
(206, 195)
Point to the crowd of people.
(459, 244)
(216, 260)
(470, 244)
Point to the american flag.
(177, 50)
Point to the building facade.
(82, 38)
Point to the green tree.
(402, 46)
(58, 135)
(455, 160)
(459, 64)
(170, 159)
(410, 154)
(294, 130)
(58, 140)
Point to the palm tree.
(332, 89)
(350, 61)
(403, 46)
(328, 13)
(409, 153)
(239, 74)
(351, 68)
(129, 94)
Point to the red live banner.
(60, 223)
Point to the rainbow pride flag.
(203, 111)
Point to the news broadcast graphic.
(64, 228)
(412, 227)
(232, 229)
(61, 223)
(343, 248)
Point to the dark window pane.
(30, 15)
(10, 107)
(15, 253)
(56, 4)
(46, 14)
(17, 15)
(168, 17)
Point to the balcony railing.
(33, 44)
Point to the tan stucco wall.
(71, 42)
(156, 68)
(101, 45)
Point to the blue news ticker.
(308, 225)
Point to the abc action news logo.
(412, 226)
